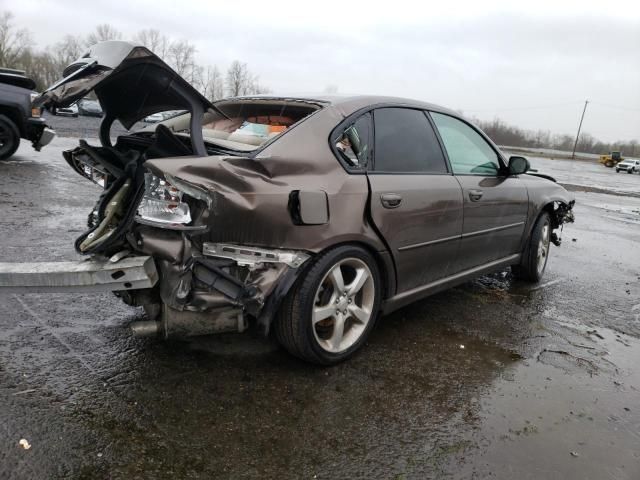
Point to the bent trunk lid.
(130, 81)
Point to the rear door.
(495, 204)
(415, 202)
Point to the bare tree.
(14, 43)
(154, 41)
(103, 32)
(66, 51)
(256, 88)
(181, 56)
(211, 83)
(238, 79)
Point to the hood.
(17, 80)
(129, 80)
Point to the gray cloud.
(532, 69)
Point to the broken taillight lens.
(162, 202)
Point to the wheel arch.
(559, 210)
(13, 114)
(383, 261)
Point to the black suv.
(18, 118)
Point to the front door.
(415, 203)
(495, 204)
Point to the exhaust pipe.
(145, 328)
(182, 324)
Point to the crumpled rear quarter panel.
(251, 195)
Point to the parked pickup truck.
(629, 165)
(18, 118)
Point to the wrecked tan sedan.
(304, 217)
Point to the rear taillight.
(162, 202)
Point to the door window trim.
(351, 118)
(372, 164)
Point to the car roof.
(352, 103)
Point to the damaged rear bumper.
(212, 287)
(131, 273)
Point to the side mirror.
(518, 165)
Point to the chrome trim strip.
(489, 230)
(426, 244)
(170, 226)
(456, 237)
(406, 297)
(251, 256)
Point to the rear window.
(245, 125)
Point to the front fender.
(546, 195)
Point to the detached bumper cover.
(39, 133)
(81, 276)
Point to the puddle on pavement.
(550, 422)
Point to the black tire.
(294, 327)
(629, 170)
(9, 137)
(529, 268)
(617, 170)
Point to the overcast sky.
(529, 63)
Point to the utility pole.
(573, 154)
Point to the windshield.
(246, 124)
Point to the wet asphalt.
(492, 379)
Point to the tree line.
(45, 65)
(511, 136)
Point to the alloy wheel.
(543, 248)
(343, 305)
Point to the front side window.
(354, 143)
(469, 153)
(406, 143)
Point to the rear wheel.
(534, 259)
(331, 310)
(9, 137)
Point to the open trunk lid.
(130, 81)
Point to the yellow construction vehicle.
(611, 159)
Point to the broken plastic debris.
(24, 443)
(462, 347)
(575, 454)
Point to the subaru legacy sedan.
(304, 217)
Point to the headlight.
(35, 111)
(162, 203)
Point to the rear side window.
(354, 143)
(405, 142)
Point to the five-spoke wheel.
(535, 255)
(330, 311)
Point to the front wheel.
(535, 256)
(331, 310)
(629, 170)
(9, 137)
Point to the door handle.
(475, 195)
(390, 200)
